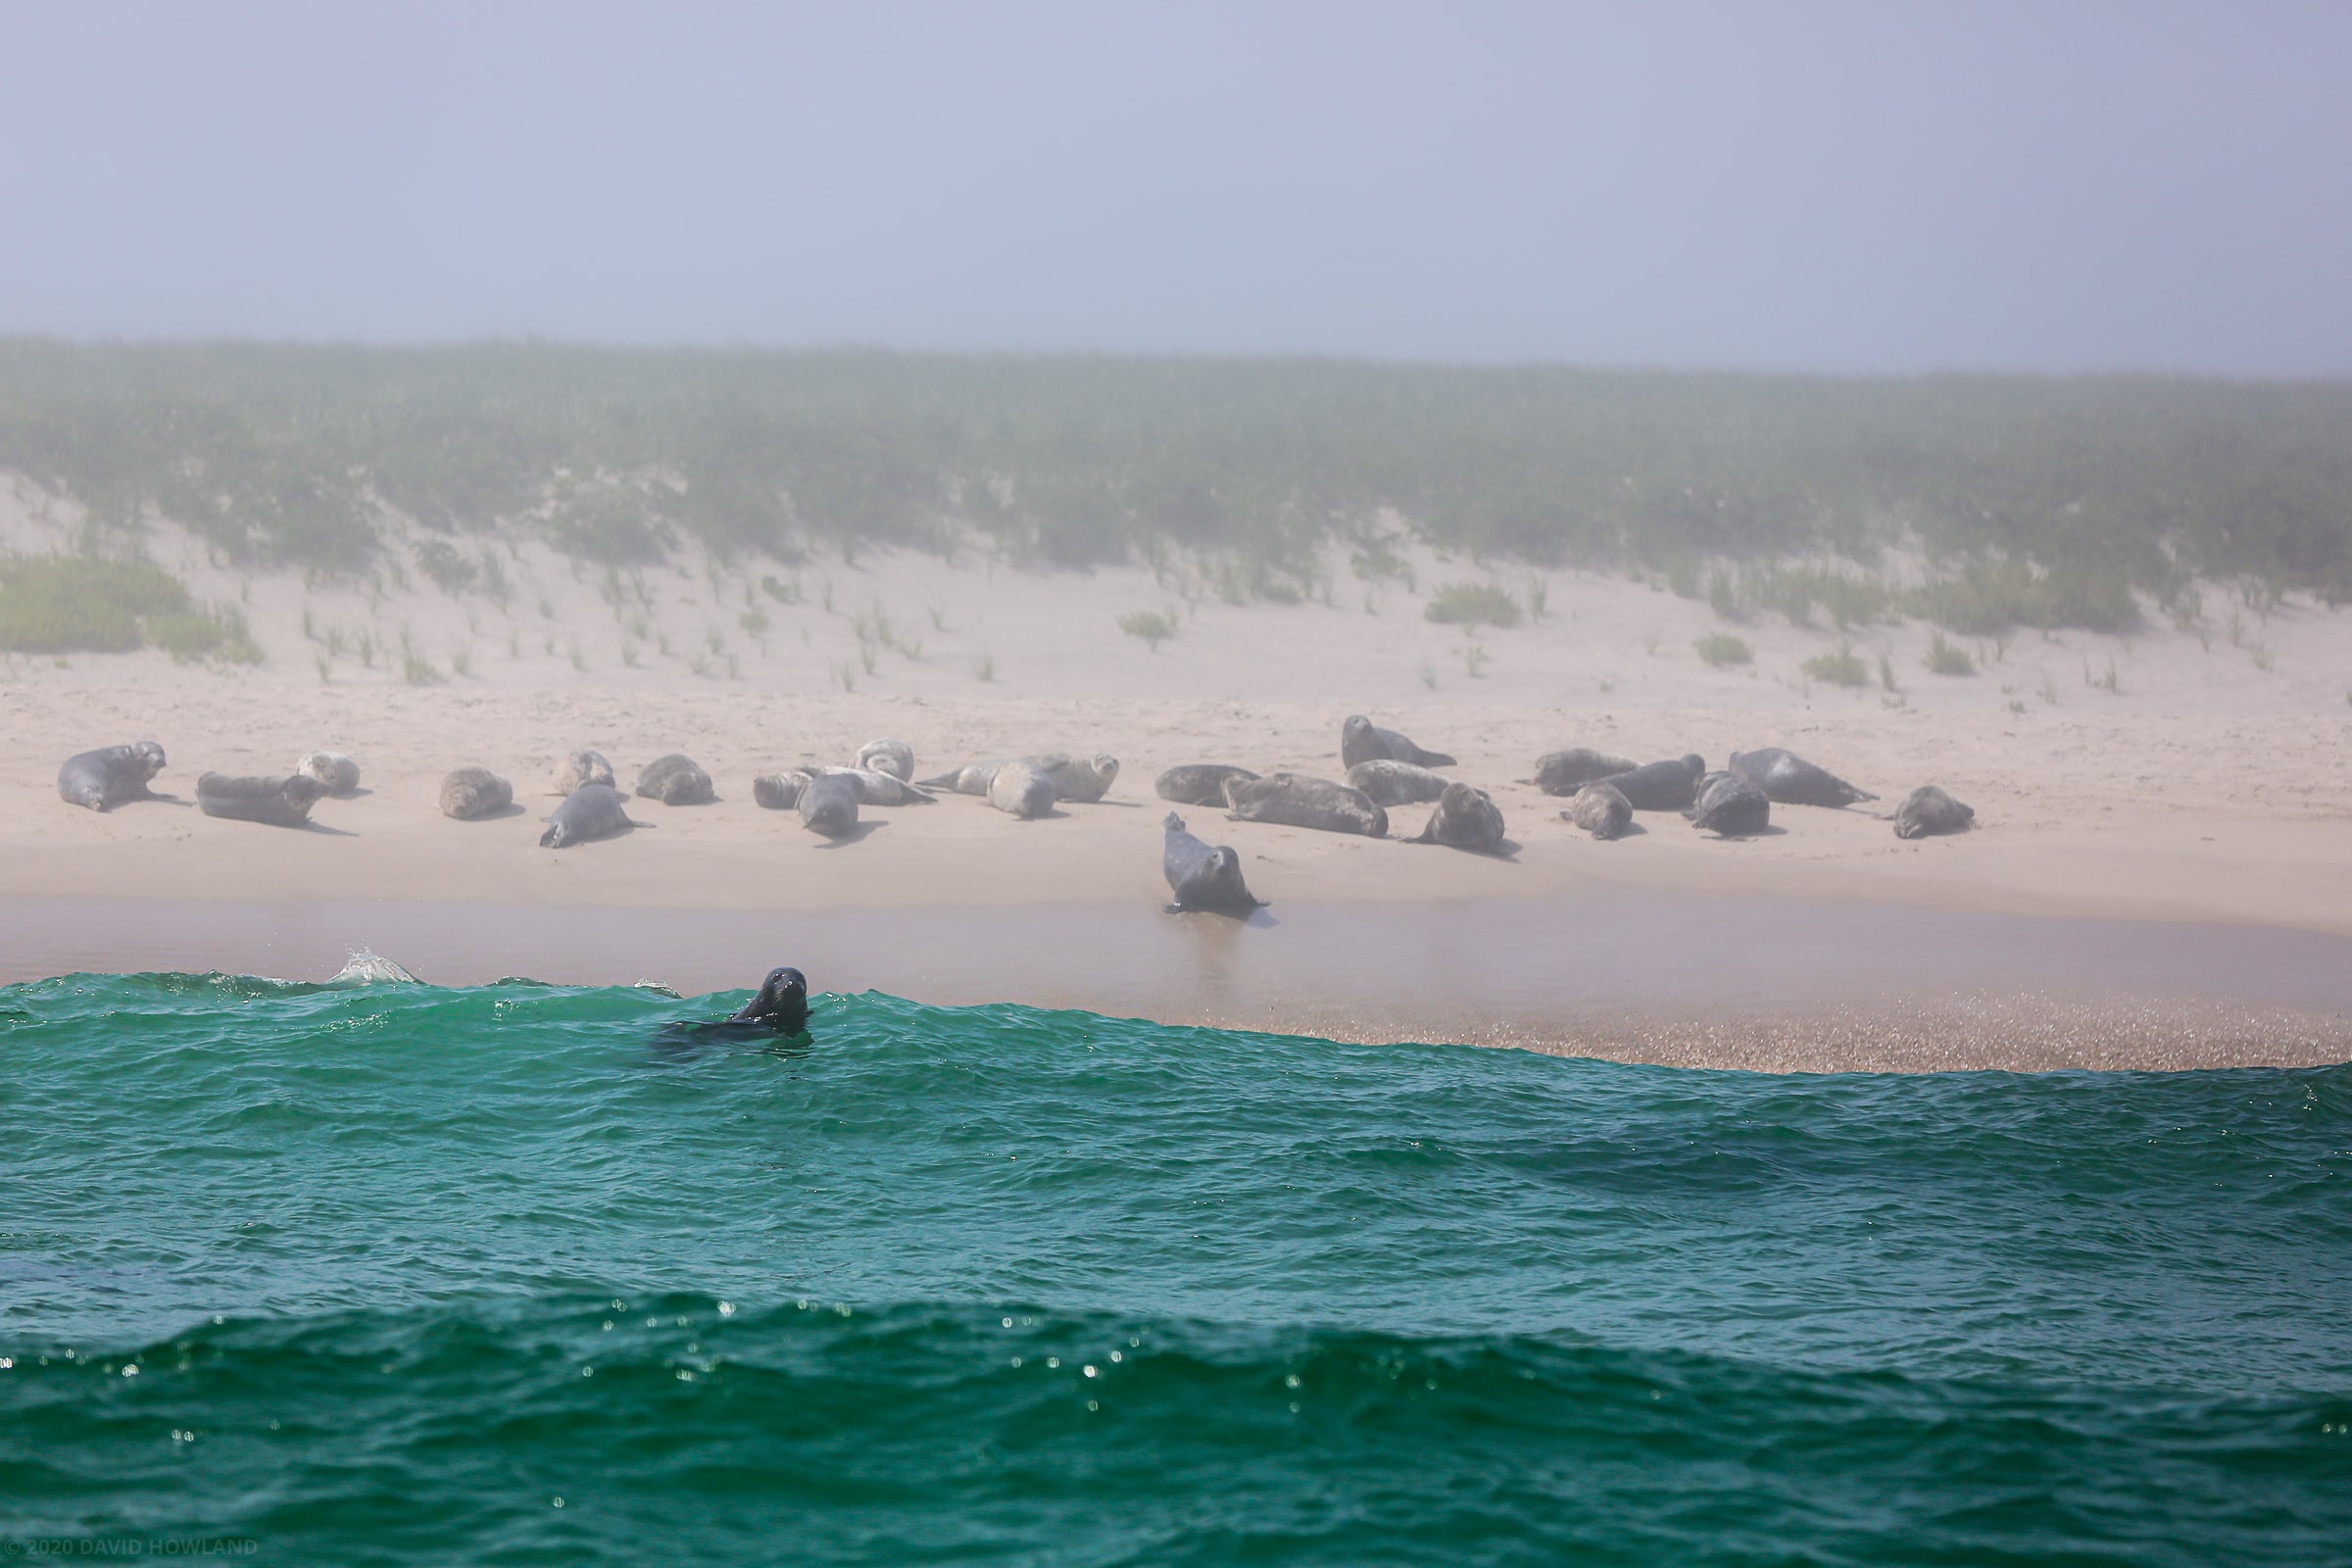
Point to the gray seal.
(109, 775)
(1790, 779)
(1566, 772)
(970, 779)
(1021, 790)
(471, 792)
(828, 804)
(675, 780)
(1467, 818)
(339, 773)
(1731, 804)
(779, 792)
(1390, 782)
(1198, 783)
(1600, 809)
(1927, 809)
(583, 767)
(1297, 799)
(1080, 779)
(895, 758)
(1660, 786)
(591, 811)
(278, 802)
(1202, 877)
(1362, 741)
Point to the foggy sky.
(1866, 187)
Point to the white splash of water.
(366, 968)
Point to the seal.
(591, 811)
(1081, 780)
(1202, 877)
(1198, 783)
(1362, 741)
(471, 792)
(828, 804)
(1298, 800)
(1660, 786)
(675, 780)
(583, 767)
(970, 779)
(780, 1007)
(895, 758)
(1021, 790)
(1600, 809)
(1388, 782)
(1790, 779)
(278, 802)
(1927, 809)
(1732, 805)
(339, 773)
(778, 792)
(1467, 818)
(1566, 772)
(877, 788)
(109, 775)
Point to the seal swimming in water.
(583, 767)
(278, 802)
(1200, 876)
(1198, 783)
(109, 775)
(1790, 779)
(1566, 772)
(1298, 800)
(895, 758)
(1388, 782)
(1731, 804)
(339, 773)
(828, 804)
(675, 780)
(1021, 790)
(1659, 786)
(1467, 818)
(1362, 741)
(1080, 779)
(1927, 809)
(471, 792)
(780, 1007)
(591, 811)
(1600, 809)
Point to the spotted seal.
(895, 758)
(675, 780)
(1081, 780)
(1298, 800)
(338, 772)
(1600, 809)
(1388, 782)
(1660, 786)
(1731, 804)
(1361, 741)
(1790, 779)
(278, 802)
(471, 792)
(1566, 772)
(1198, 783)
(109, 775)
(591, 811)
(1928, 809)
(1467, 818)
(582, 768)
(1200, 876)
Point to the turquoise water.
(398, 1267)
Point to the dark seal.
(1660, 786)
(1362, 741)
(1297, 800)
(1566, 772)
(1927, 809)
(1203, 876)
(1467, 818)
(1198, 783)
(278, 802)
(109, 775)
(675, 780)
(780, 1007)
(1600, 809)
(1732, 805)
(1790, 779)
(471, 792)
(591, 811)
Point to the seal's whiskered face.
(782, 1001)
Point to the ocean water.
(508, 1274)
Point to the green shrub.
(1946, 657)
(1844, 667)
(75, 604)
(1472, 604)
(1150, 626)
(192, 634)
(1722, 648)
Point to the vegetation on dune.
(1721, 648)
(75, 604)
(1473, 605)
(2035, 501)
(1844, 667)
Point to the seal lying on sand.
(675, 780)
(1362, 741)
(1081, 780)
(828, 803)
(1297, 800)
(970, 779)
(1467, 818)
(109, 775)
(1388, 782)
(471, 792)
(1198, 783)
(339, 773)
(591, 811)
(1566, 772)
(1660, 786)
(1202, 877)
(1731, 804)
(1927, 809)
(278, 802)
(895, 758)
(1021, 790)
(1790, 779)
(1600, 809)
(781, 791)
(583, 767)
